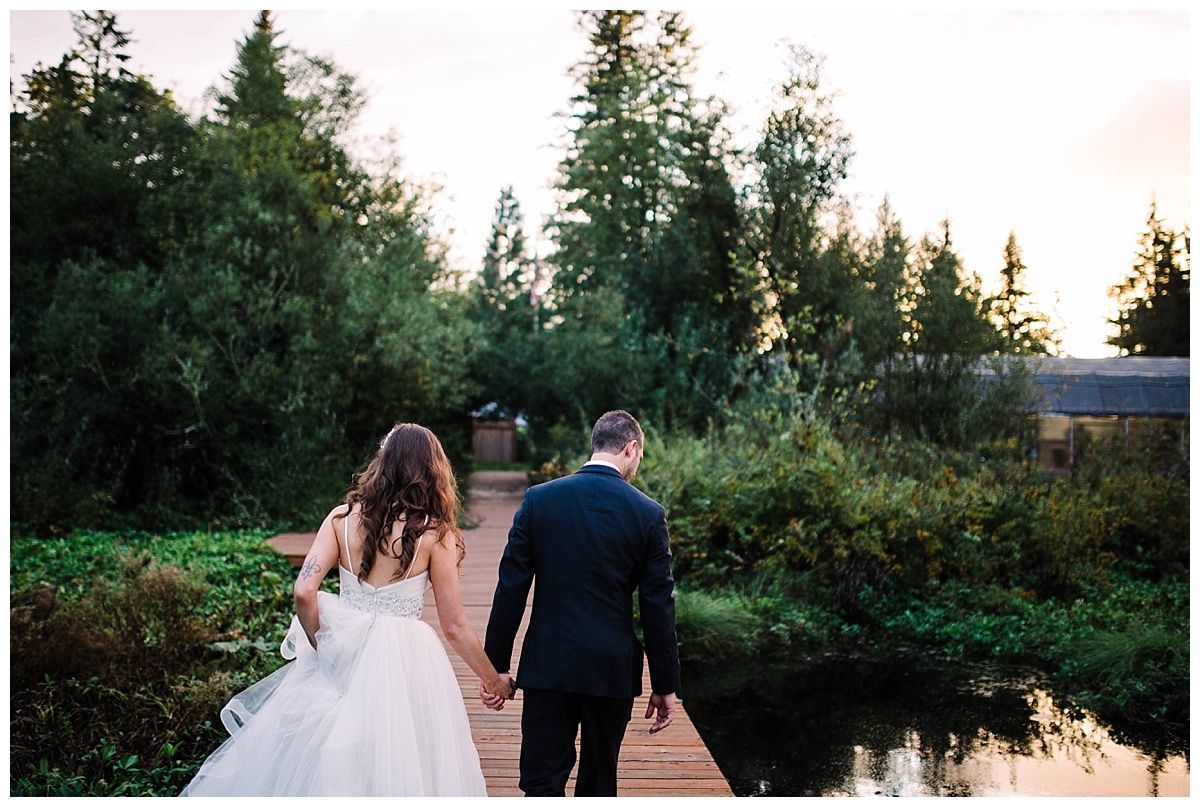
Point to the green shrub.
(123, 649)
(824, 536)
(147, 620)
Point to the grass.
(714, 627)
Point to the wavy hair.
(409, 478)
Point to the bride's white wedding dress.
(376, 712)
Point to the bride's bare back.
(387, 568)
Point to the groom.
(591, 539)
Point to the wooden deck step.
(674, 762)
(294, 545)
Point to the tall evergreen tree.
(505, 275)
(101, 44)
(1023, 331)
(647, 215)
(934, 390)
(944, 305)
(503, 307)
(1154, 300)
(802, 157)
(258, 86)
(311, 321)
(878, 321)
(91, 153)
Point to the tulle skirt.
(377, 712)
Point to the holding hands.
(504, 688)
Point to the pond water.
(911, 726)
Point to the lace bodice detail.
(404, 598)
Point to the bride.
(369, 705)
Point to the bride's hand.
(495, 700)
(489, 700)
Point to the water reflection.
(909, 727)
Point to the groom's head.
(613, 434)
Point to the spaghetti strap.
(417, 551)
(346, 530)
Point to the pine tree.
(237, 307)
(878, 325)
(944, 304)
(648, 218)
(802, 157)
(258, 86)
(504, 308)
(95, 153)
(308, 286)
(101, 44)
(505, 276)
(934, 390)
(1154, 300)
(1024, 332)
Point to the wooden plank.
(672, 763)
(294, 545)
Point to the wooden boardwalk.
(674, 762)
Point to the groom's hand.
(506, 690)
(665, 706)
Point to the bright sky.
(1060, 126)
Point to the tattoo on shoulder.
(310, 568)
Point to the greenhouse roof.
(1131, 386)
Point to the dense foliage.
(124, 647)
(213, 320)
(239, 304)
(784, 532)
(683, 274)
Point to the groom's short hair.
(614, 430)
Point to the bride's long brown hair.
(409, 478)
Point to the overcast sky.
(1060, 126)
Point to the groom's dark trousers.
(591, 539)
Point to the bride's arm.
(320, 559)
(443, 573)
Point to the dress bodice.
(403, 598)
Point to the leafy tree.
(934, 389)
(803, 155)
(311, 323)
(503, 304)
(229, 313)
(91, 157)
(94, 155)
(1154, 300)
(648, 217)
(878, 320)
(1024, 332)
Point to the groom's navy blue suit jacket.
(591, 539)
